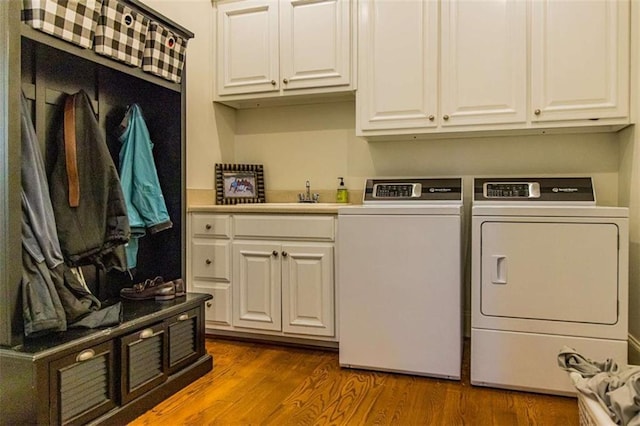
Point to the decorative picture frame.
(239, 183)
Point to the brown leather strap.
(70, 151)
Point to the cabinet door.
(315, 43)
(256, 286)
(398, 74)
(143, 360)
(83, 385)
(247, 44)
(484, 62)
(308, 289)
(185, 341)
(580, 59)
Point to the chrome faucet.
(308, 197)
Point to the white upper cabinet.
(270, 48)
(478, 50)
(483, 62)
(315, 49)
(579, 60)
(398, 77)
(247, 47)
(459, 66)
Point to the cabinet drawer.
(143, 359)
(82, 385)
(210, 225)
(211, 259)
(217, 312)
(285, 226)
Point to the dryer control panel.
(563, 190)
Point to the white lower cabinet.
(270, 274)
(257, 291)
(282, 286)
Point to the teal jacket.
(146, 207)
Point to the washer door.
(550, 271)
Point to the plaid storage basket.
(121, 33)
(71, 20)
(164, 53)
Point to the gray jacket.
(42, 308)
(94, 231)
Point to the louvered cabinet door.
(143, 358)
(185, 345)
(82, 385)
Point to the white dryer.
(399, 277)
(549, 269)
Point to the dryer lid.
(532, 190)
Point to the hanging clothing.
(41, 306)
(146, 207)
(53, 298)
(88, 203)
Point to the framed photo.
(239, 183)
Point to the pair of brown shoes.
(154, 289)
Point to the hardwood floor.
(264, 384)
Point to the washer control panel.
(397, 190)
(412, 190)
(511, 190)
(560, 190)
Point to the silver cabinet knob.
(208, 261)
(273, 82)
(275, 253)
(285, 81)
(537, 112)
(285, 254)
(207, 227)
(445, 117)
(432, 117)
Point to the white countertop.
(298, 208)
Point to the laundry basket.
(590, 411)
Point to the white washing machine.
(549, 269)
(399, 278)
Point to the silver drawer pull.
(183, 317)
(146, 333)
(85, 355)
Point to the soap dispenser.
(342, 195)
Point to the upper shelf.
(88, 54)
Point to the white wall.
(318, 143)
